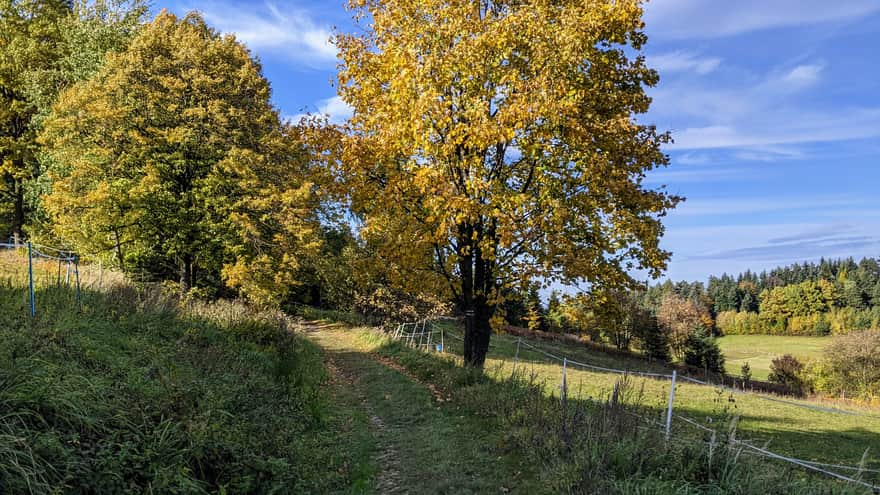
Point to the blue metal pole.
(31, 280)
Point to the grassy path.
(423, 443)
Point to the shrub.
(746, 374)
(852, 365)
(702, 351)
(787, 370)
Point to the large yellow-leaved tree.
(495, 142)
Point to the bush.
(702, 351)
(787, 370)
(852, 365)
(746, 374)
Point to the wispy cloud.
(819, 233)
(335, 109)
(786, 253)
(681, 61)
(286, 32)
(682, 19)
(698, 174)
(737, 206)
(768, 115)
(786, 127)
(803, 75)
(713, 249)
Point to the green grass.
(582, 446)
(135, 394)
(759, 351)
(435, 446)
(807, 434)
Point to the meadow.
(810, 430)
(760, 350)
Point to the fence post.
(31, 279)
(563, 389)
(516, 354)
(669, 408)
(76, 272)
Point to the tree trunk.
(119, 251)
(186, 273)
(477, 283)
(477, 334)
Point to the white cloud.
(786, 127)
(803, 75)
(335, 109)
(290, 33)
(680, 61)
(767, 116)
(710, 19)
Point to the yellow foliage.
(496, 142)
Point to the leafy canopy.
(173, 157)
(494, 142)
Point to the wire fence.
(410, 334)
(422, 335)
(47, 267)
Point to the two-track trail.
(423, 442)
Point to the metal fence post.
(669, 408)
(563, 389)
(31, 279)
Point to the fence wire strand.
(809, 465)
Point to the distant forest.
(829, 297)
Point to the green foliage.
(851, 366)
(787, 370)
(45, 46)
(172, 157)
(746, 373)
(702, 351)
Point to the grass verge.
(134, 393)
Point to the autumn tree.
(173, 157)
(29, 38)
(679, 318)
(495, 142)
(45, 47)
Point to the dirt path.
(388, 472)
(424, 443)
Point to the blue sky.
(774, 106)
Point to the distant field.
(759, 351)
